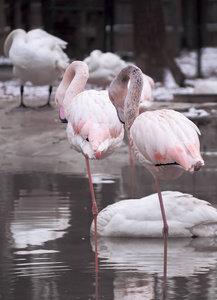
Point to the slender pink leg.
(165, 233)
(94, 211)
(132, 168)
(165, 227)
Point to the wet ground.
(45, 215)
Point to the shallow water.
(46, 251)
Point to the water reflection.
(141, 262)
(195, 256)
(35, 223)
(45, 250)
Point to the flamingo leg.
(165, 235)
(165, 225)
(94, 211)
(132, 168)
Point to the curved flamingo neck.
(127, 98)
(73, 83)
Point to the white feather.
(186, 215)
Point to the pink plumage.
(165, 141)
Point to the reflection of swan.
(128, 286)
(36, 56)
(33, 225)
(186, 257)
(187, 216)
(103, 67)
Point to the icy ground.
(187, 62)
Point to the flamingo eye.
(87, 139)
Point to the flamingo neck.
(73, 83)
(131, 105)
(127, 98)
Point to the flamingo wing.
(177, 139)
(94, 128)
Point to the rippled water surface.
(46, 251)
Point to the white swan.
(206, 87)
(187, 216)
(147, 97)
(37, 57)
(103, 67)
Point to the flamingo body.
(93, 125)
(93, 128)
(165, 141)
(177, 141)
(162, 139)
(187, 216)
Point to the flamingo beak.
(120, 113)
(63, 120)
(62, 116)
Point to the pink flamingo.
(93, 127)
(146, 101)
(164, 141)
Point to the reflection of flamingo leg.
(165, 268)
(165, 235)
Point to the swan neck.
(15, 37)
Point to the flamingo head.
(62, 115)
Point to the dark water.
(46, 251)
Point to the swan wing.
(186, 215)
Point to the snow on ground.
(187, 62)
